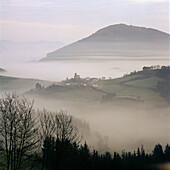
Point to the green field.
(73, 93)
(150, 82)
(138, 86)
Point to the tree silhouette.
(60, 145)
(17, 129)
(158, 154)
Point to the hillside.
(148, 86)
(141, 87)
(116, 42)
(20, 85)
(2, 70)
(73, 94)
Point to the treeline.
(42, 140)
(164, 72)
(67, 155)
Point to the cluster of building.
(77, 80)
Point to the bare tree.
(47, 124)
(17, 129)
(58, 125)
(65, 128)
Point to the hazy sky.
(70, 20)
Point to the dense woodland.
(44, 140)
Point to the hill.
(2, 70)
(147, 86)
(116, 42)
(20, 85)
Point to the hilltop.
(116, 42)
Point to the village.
(113, 89)
(82, 82)
(75, 81)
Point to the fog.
(115, 126)
(14, 52)
(60, 70)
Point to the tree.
(17, 129)
(167, 152)
(158, 154)
(58, 125)
(59, 135)
(47, 124)
(138, 153)
(38, 86)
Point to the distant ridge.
(32, 50)
(2, 70)
(116, 41)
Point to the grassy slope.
(9, 84)
(74, 94)
(134, 86)
(21, 85)
(83, 93)
(150, 82)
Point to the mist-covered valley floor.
(138, 114)
(112, 114)
(115, 126)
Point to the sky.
(71, 20)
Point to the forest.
(39, 139)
